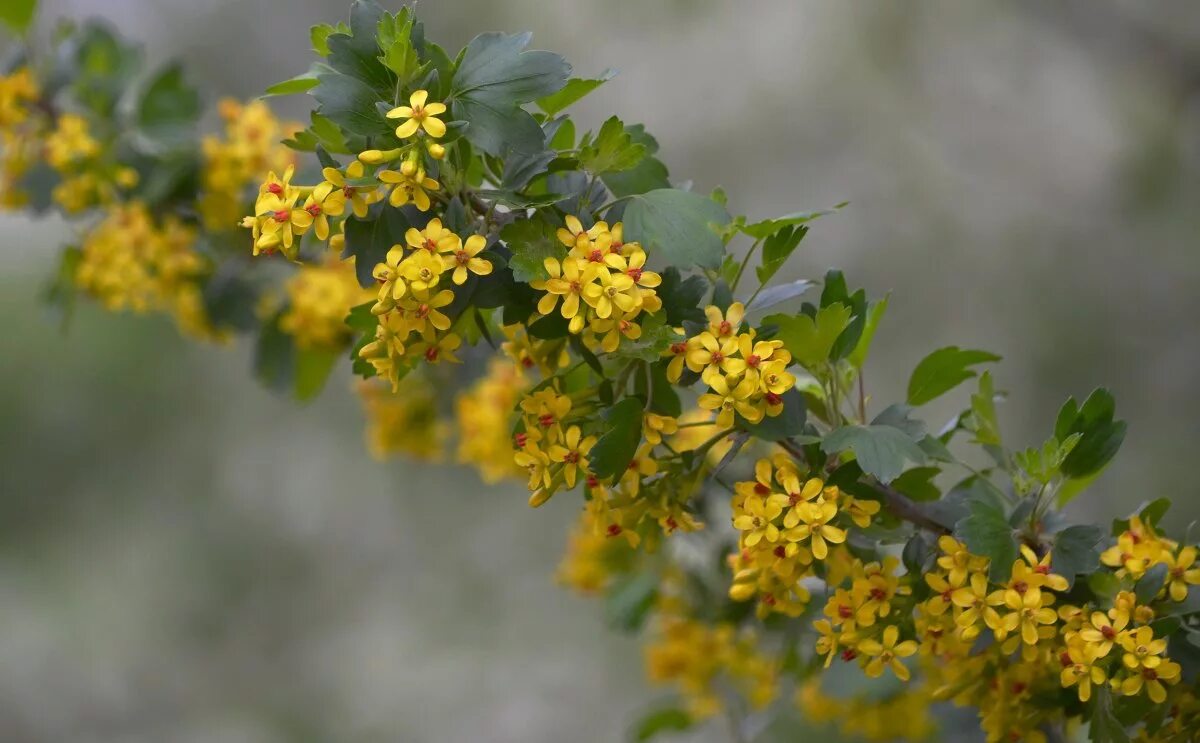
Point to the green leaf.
(809, 339)
(986, 532)
(615, 449)
(369, 240)
(1102, 434)
(648, 175)
(274, 356)
(881, 450)
(319, 35)
(17, 14)
(356, 53)
(493, 79)
(394, 35)
(777, 248)
(613, 149)
(787, 424)
(1105, 727)
(1076, 551)
(942, 371)
(168, 108)
(575, 89)
(917, 483)
(664, 400)
(630, 600)
(349, 103)
(983, 412)
(874, 314)
(677, 226)
(667, 719)
(768, 227)
(682, 298)
(299, 84)
(1151, 582)
(313, 367)
(531, 241)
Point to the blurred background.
(186, 557)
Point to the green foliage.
(614, 450)
(942, 371)
(629, 601)
(811, 338)
(531, 241)
(987, 532)
(493, 79)
(663, 720)
(612, 150)
(1076, 551)
(677, 226)
(575, 89)
(17, 14)
(777, 248)
(1105, 727)
(1100, 435)
(881, 450)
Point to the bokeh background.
(186, 557)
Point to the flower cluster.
(406, 423)
(484, 416)
(249, 148)
(1139, 548)
(413, 290)
(702, 659)
(786, 523)
(601, 286)
(901, 715)
(319, 296)
(744, 375)
(128, 262)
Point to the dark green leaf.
(873, 315)
(880, 450)
(575, 89)
(768, 227)
(319, 35)
(615, 449)
(350, 103)
(942, 371)
(531, 241)
(369, 240)
(629, 600)
(776, 250)
(677, 226)
(493, 79)
(787, 424)
(356, 53)
(986, 532)
(668, 719)
(1076, 551)
(682, 297)
(664, 400)
(1102, 435)
(274, 356)
(1104, 727)
(168, 108)
(613, 149)
(1150, 583)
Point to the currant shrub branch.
(546, 300)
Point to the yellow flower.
(727, 400)
(568, 281)
(573, 454)
(1101, 633)
(419, 115)
(972, 600)
(422, 270)
(440, 350)
(423, 310)
(322, 203)
(887, 653)
(957, 560)
(70, 143)
(713, 357)
(1145, 666)
(1080, 667)
(613, 290)
(613, 329)
(757, 518)
(358, 198)
(1181, 573)
(406, 187)
(725, 325)
(814, 526)
(654, 426)
(319, 297)
(391, 281)
(464, 261)
(434, 238)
